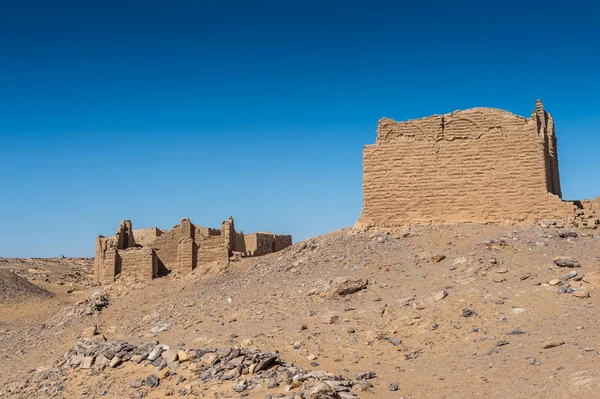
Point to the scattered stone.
(581, 294)
(517, 332)
(365, 375)
(231, 374)
(553, 344)
(566, 262)
(468, 313)
(440, 295)
(438, 258)
(89, 332)
(322, 390)
(240, 385)
(345, 286)
(554, 282)
(87, 362)
(297, 345)
(208, 359)
(350, 330)
(114, 362)
(502, 343)
(394, 341)
(565, 289)
(170, 355)
(570, 275)
(152, 381)
(331, 318)
(102, 360)
(567, 233)
(137, 383)
(155, 353)
(163, 373)
(183, 356)
(160, 327)
(393, 387)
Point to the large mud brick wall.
(148, 253)
(477, 165)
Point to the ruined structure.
(477, 165)
(148, 253)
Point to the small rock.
(155, 353)
(350, 330)
(87, 362)
(89, 332)
(136, 359)
(345, 286)
(170, 355)
(553, 344)
(322, 390)
(468, 313)
(581, 294)
(240, 385)
(554, 282)
(297, 345)
(517, 332)
(114, 362)
(438, 258)
(164, 373)
(331, 319)
(231, 374)
(440, 295)
(569, 275)
(152, 381)
(567, 233)
(365, 375)
(160, 327)
(137, 383)
(501, 343)
(102, 360)
(208, 359)
(393, 387)
(183, 356)
(394, 341)
(566, 262)
(76, 360)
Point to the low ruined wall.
(138, 262)
(282, 242)
(478, 165)
(148, 253)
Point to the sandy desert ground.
(455, 311)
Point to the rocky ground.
(457, 311)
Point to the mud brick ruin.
(477, 165)
(148, 253)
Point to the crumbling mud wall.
(147, 253)
(477, 165)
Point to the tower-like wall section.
(478, 165)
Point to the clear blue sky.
(157, 110)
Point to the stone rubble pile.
(243, 368)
